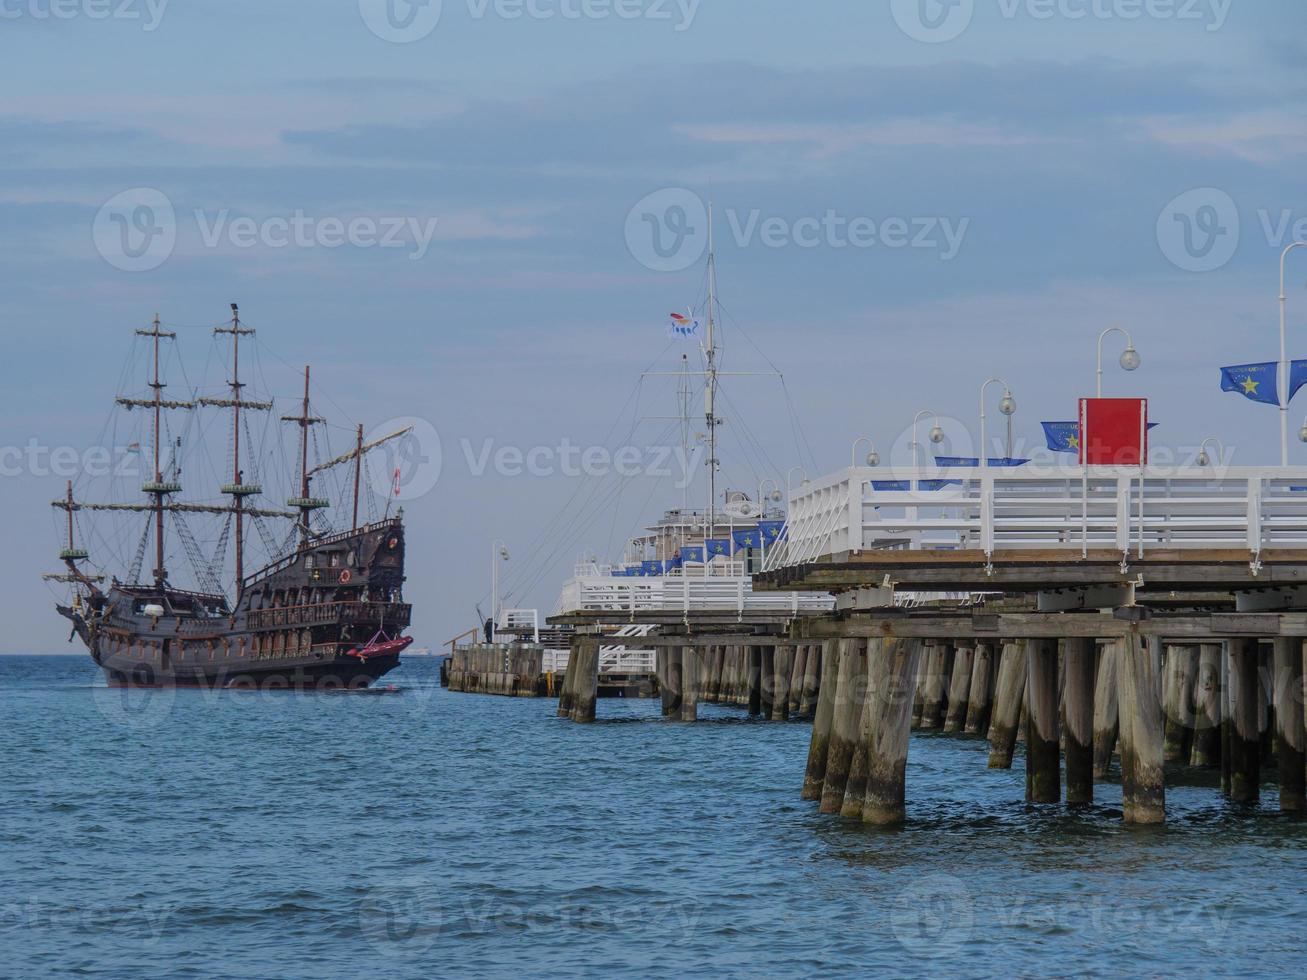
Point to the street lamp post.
(936, 434)
(1008, 406)
(873, 457)
(1206, 460)
(1130, 359)
(1283, 385)
(498, 553)
(762, 500)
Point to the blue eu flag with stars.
(717, 546)
(771, 531)
(1062, 437)
(747, 539)
(692, 554)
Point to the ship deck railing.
(1071, 510)
(396, 614)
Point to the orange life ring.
(393, 543)
(345, 576)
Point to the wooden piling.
(980, 696)
(780, 697)
(1244, 749)
(1009, 692)
(935, 695)
(919, 686)
(893, 664)
(1206, 743)
(1043, 739)
(800, 664)
(843, 729)
(1107, 711)
(755, 680)
(812, 668)
(1142, 782)
(691, 678)
(821, 725)
(1180, 672)
(1288, 674)
(587, 682)
(767, 682)
(959, 691)
(1079, 662)
(567, 695)
(855, 787)
(675, 682)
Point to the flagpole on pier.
(1282, 381)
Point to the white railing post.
(1123, 515)
(855, 512)
(1254, 493)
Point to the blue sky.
(1052, 138)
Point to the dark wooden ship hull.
(329, 615)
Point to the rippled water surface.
(414, 833)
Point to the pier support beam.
(1142, 783)
(1244, 748)
(936, 690)
(980, 697)
(1079, 661)
(567, 695)
(821, 724)
(959, 690)
(1043, 741)
(1206, 748)
(1107, 710)
(1008, 696)
(893, 665)
(1289, 724)
(843, 729)
(671, 680)
(767, 683)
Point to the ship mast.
(157, 488)
(304, 502)
(238, 489)
(358, 475)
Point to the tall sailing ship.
(327, 608)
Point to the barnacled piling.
(755, 680)
(691, 678)
(1245, 750)
(960, 688)
(1107, 713)
(1206, 747)
(1008, 695)
(1142, 785)
(821, 724)
(812, 667)
(800, 662)
(1180, 671)
(1078, 718)
(980, 696)
(843, 729)
(855, 788)
(780, 698)
(1043, 775)
(1289, 723)
(587, 682)
(894, 665)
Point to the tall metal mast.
(710, 391)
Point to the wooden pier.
(1155, 617)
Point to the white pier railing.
(682, 593)
(1072, 509)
